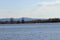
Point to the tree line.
(50, 20)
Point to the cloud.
(48, 3)
(46, 9)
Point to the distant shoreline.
(22, 21)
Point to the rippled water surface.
(42, 31)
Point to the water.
(42, 31)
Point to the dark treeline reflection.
(50, 20)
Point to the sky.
(30, 8)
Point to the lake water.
(41, 31)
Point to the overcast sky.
(30, 8)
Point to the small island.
(22, 21)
